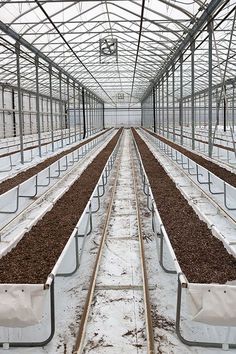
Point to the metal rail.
(79, 345)
(148, 315)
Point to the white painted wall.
(122, 116)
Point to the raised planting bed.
(203, 265)
(219, 171)
(220, 192)
(23, 176)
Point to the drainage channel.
(116, 316)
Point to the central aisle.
(117, 317)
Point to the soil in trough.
(34, 257)
(219, 171)
(23, 176)
(202, 256)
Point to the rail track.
(98, 282)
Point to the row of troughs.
(204, 298)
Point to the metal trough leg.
(76, 260)
(178, 329)
(161, 260)
(52, 331)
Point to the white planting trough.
(211, 304)
(23, 305)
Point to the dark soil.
(34, 257)
(202, 257)
(23, 176)
(219, 171)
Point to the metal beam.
(203, 20)
(31, 48)
(19, 102)
(37, 104)
(210, 143)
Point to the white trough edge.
(212, 304)
(229, 189)
(229, 244)
(214, 160)
(22, 305)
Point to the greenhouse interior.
(117, 176)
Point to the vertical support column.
(163, 112)
(154, 108)
(23, 113)
(51, 107)
(103, 116)
(13, 112)
(141, 114)
(84, 117)
(47, 114)
(87, 113)
(30, 113)
(225, 110)
(94, 114)
(159, 107)
(3, 113)
(91, 110)
(61, 108)
(193, 94)
(233, 106)
(210, 30)
(97, 117)
(205, 110)
(173, 99)
(75, 132)
(167, 105)
(181, 101)
(91, 113)
(17, 48)
(38, 104)
(68, 107)
(199, 110)
(79, 115)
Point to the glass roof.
(115, 48)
